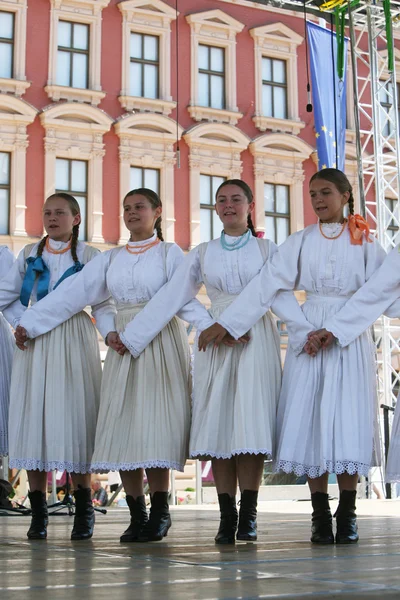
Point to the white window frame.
(278, 159)
(70, 190)
(87, 12)
(149, 148)
(79, 139)
(211, 156)
(276, 40)
(214, 28)
(17, 85)
(277, 215)
(151, 17)
(15, 116)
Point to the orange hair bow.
(358, 227)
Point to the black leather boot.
(229, 519)
(321, 520)
(159, 521)
(139, 518)
(346, 518)
(247, 529)
(84, 514)
(40, 516)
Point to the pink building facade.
(95, 95)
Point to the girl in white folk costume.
(235, 388)
(144, 417)
(55, 383)
(327, 408)
(6, 353)
(381, 294)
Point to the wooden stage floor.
(188, 566)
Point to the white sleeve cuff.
(129, 346)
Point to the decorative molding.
(77, 11)
(75, 131)
(15, 116)
(17, 85)
(214, 28)
(132, 103)
(215, 115)
(278, 158)
(151, 17)
(278, 125)
(60, 92)
(276, 40)
(14, 86)
(147, 141)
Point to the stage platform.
(188, 566)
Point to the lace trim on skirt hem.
(148, 464)
(197, 453)
(392, 477)
(339, 467)
(33, 464)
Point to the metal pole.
(199, 483)
(173, 490)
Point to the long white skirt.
(327, 415)
(393, 461)
(236, 393)
(54, 399)
(6, 354)
(144, 418)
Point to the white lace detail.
(147, 464)
(392, 477)
(197, 453)
(33, 464)
(131, 348)
(136, 278)
(331, 229)
(339, 467)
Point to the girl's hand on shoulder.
(215, 333)
(21, 337)
(113, 341)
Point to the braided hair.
(155, 202)
(75, 210)
(247, 192)
(340, 181)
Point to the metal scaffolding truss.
(377, 124)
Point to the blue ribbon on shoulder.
(76, 267)
(38, 271)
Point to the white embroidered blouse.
(129, 278)
(10, 286)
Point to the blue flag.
(328, 96)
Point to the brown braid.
(155, 202)
(251, 226)
(74, 242)
(41, 246)
(157, 227)
(351, 203)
